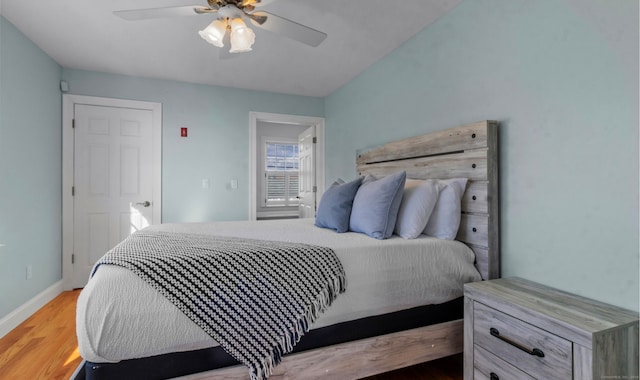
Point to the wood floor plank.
(40, 346)
(45, 347)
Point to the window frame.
(288, 201)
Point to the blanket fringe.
(300, 327)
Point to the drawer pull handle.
(493, 376)
(535, 352)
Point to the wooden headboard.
(469, 151)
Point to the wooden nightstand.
(517, 329)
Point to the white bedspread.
(119, 316)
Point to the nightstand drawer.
(490, 367)
(531, 349)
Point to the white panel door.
(113, 181)
(307, 181)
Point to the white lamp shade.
(214, 33)
(242, 37)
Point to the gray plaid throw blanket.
(255, 298)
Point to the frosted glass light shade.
(214, 33)
(242, 37)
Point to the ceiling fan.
(229, 27)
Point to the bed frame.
(469, 151)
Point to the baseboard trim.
(19, 315)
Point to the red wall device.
(183, 132)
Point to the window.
(281, 174)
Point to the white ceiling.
(84, 34)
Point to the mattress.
(119, 316)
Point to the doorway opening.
(272, 184)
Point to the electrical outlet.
(29, 272)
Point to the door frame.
(68, 152)
(254, 119)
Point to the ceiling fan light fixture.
(242, 37)
(214, 33)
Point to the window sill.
(277, 214)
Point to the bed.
(392, 314)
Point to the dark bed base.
(184, 363)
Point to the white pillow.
(418, 200)
(445, 218)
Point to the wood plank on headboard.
(469, 136)
(469, 151)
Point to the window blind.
(281, 174)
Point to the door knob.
(144, 204)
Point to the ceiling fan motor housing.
(229, 12)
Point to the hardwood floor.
(45, 347)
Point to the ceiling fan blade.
(143, 14)
(258, 3)
(203, 10)
(287, 28)
(259, 19)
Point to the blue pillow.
(375, 207)
(334, 209)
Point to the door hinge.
(73, 123)
(315, 189)
(315, 140)
(73, 258)
(73, 191)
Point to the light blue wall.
(217, 148)
(562, 79)
(30, 169)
